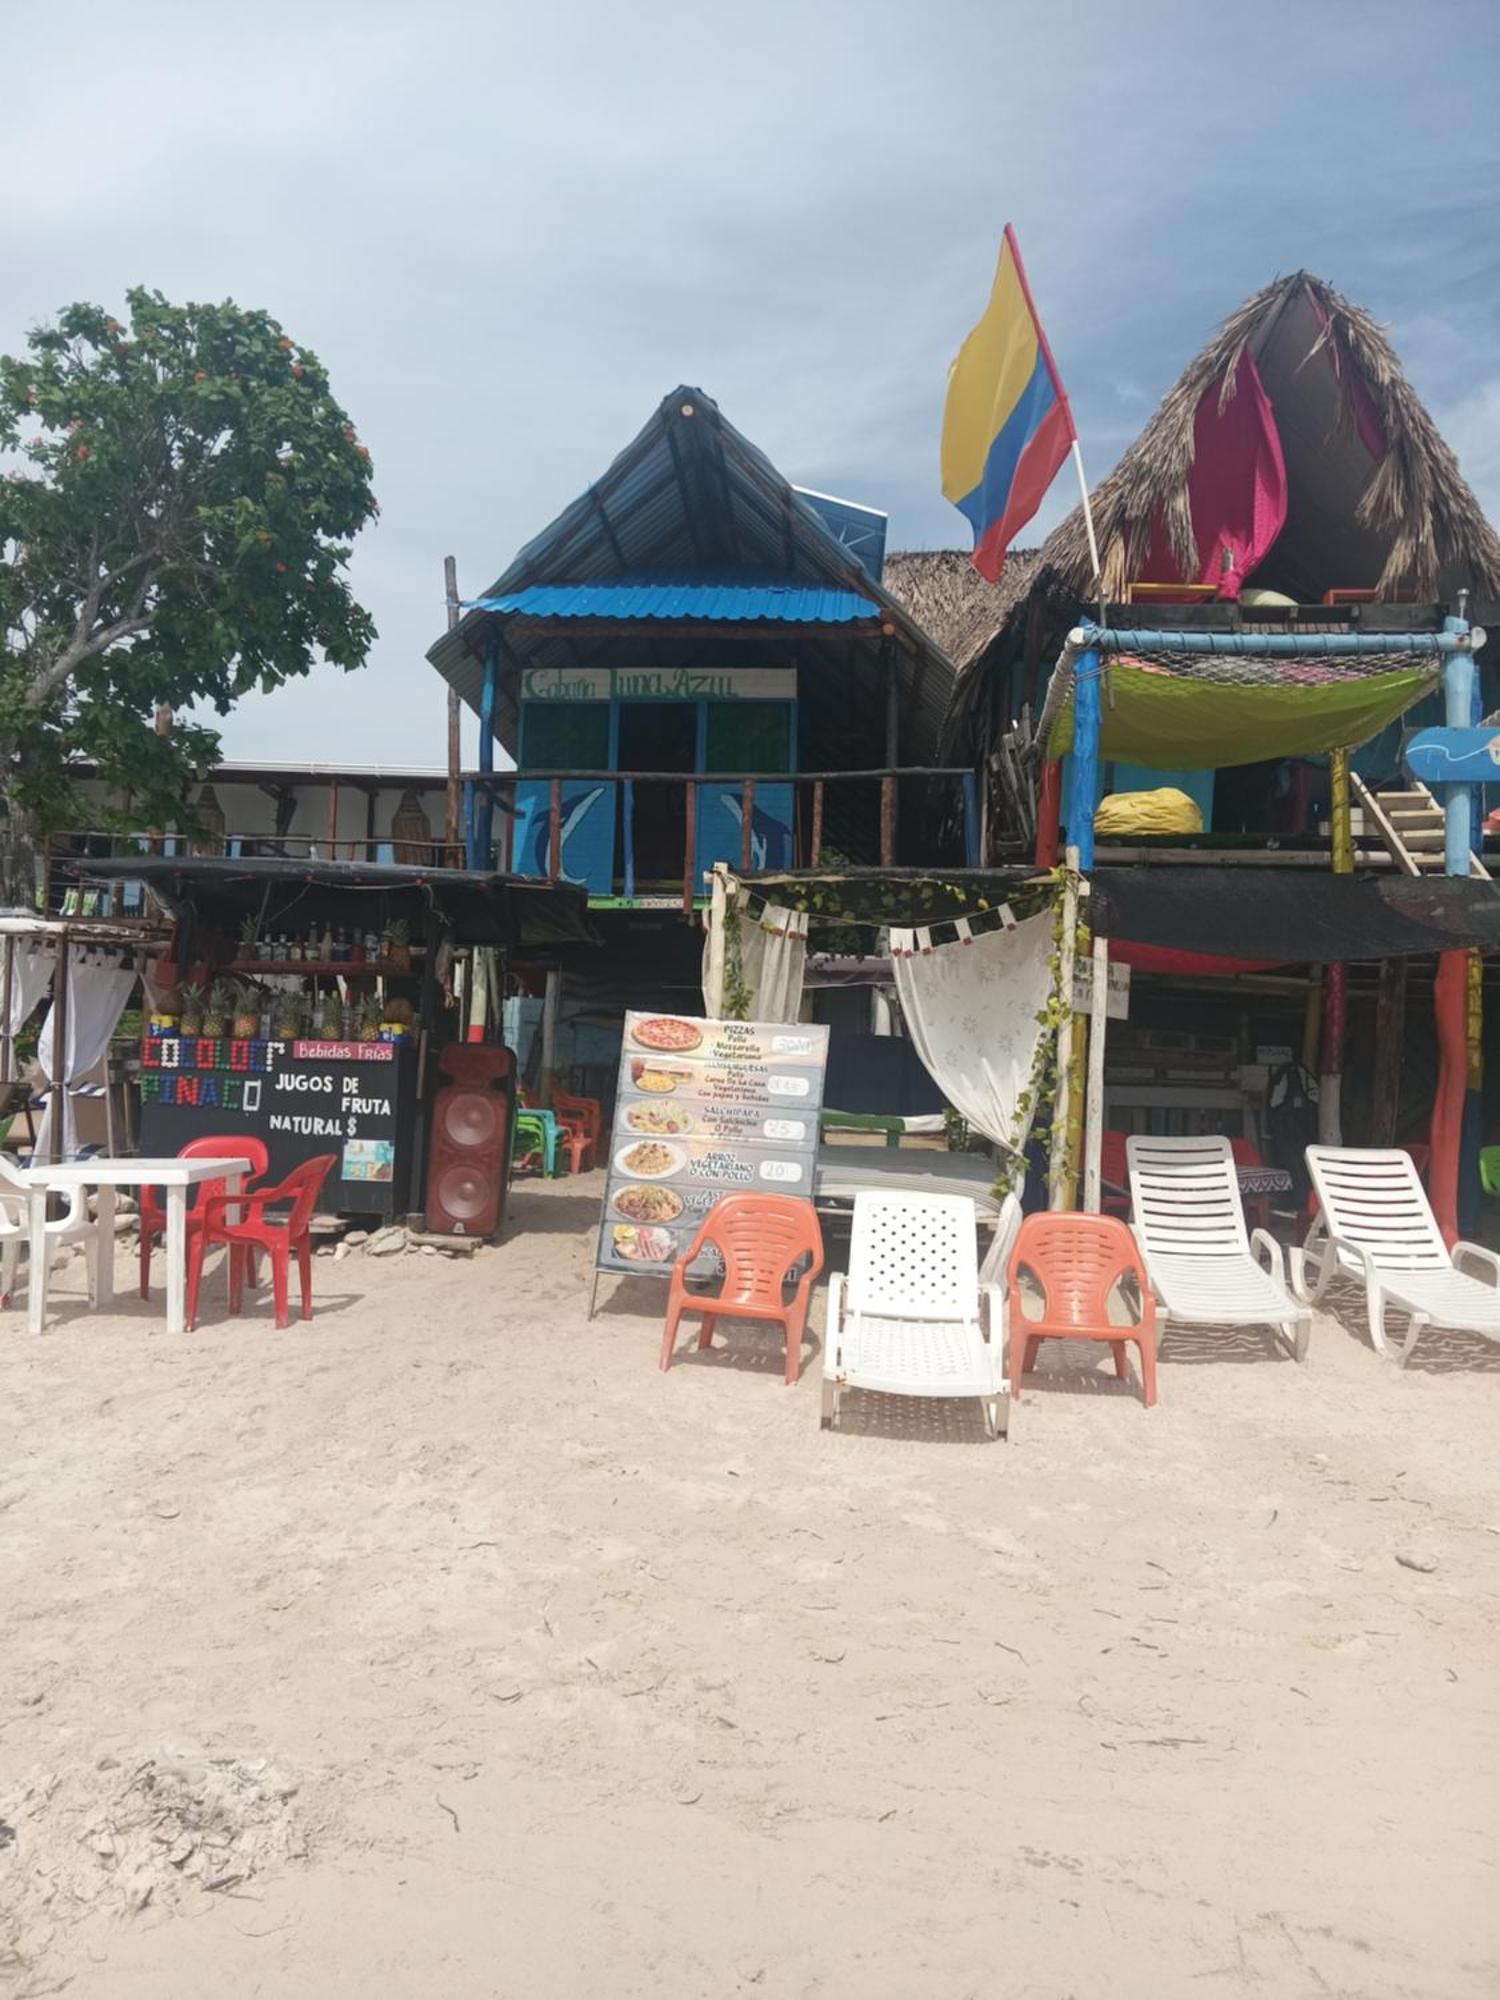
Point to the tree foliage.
(174, 531)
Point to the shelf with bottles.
(326, 950)
(313, 968)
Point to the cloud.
(508, 230)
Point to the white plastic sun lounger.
(1375, 1224)
(911, 1318)
(1190, 1224)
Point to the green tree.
(174, 532)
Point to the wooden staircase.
(1412, 825)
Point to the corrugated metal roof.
(691, 494)
(720, 599)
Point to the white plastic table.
(173, 1176)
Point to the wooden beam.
(690, 852)
(333, 819)
(554, 831)
(815, 851)
(1390, 1038)
(747, 826)
(453, 821)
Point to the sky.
(509, 230)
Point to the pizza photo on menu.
(672, 1036)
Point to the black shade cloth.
(878, 1074)
(1295, 916)
(479, 908)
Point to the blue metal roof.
(691, 498)
(721, 599)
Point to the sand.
(443, 1646)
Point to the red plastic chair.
(760, 1237)
(587, 1113)
(571, 1130)
(154, 1216)
(1114, 1200)
(253, 1230)
(1245, 1153)
(1077, 1260)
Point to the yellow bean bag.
(1165, 810)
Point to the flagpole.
(1088, 518)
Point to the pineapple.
(217, 1009)
(191, 1015)
(287, 1020)
(369, 1019)
(397, 944)
(247, 1012)
(331, 1020)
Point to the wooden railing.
(950, 797)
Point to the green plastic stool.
(1489, 1169)
(542, 1127)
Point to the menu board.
(705, 1109)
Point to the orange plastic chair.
(154, 1217)
(1077, 1260)
(760, 1237)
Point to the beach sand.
(444, 1646)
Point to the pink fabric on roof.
(1236, 488)
(1356, 389)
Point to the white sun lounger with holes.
(1375, 1224)
(1190, 1224)
(911, 1318)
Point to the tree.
(175, 533)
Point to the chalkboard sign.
(705, 1109)
(352, 1099)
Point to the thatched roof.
(1406, 522)
(952, 602)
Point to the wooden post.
(1058, 1166)
(554, 831)
(690, 850)
(484, 814)
(1094, 1101)
(1336, 982)
(747, 826)
(333, 819)
(1048, 813)
(7, 1040)
(550, 998)
(453, 824)
(815, 851)
(1390, 1037)
(370, 843)
(889, 789)
(58, 1132)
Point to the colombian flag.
(1007, 426)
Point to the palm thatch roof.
(1375, 497)
(952, 602)
(1406, 522)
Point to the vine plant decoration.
(1038, 1101)
(737, 995)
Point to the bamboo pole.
(1058, 1165)
(1094, 1107)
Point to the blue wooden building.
(697, 662)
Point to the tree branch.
(67, 663)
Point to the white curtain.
(971, 1010)
(31, 972)
(773, 954)
(98, 988)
